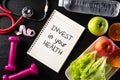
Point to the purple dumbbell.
(32, 70)
(12, 53)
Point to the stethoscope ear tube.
(14, 24)
(44, 15)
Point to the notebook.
(56, 40)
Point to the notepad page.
(56, 40)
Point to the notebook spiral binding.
(34, 42)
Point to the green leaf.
(81, 65)
(97, 70)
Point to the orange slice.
(114, 32)
(114, 59)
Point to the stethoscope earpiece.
(27, 12)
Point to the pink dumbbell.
(32, 70)
(12, 53)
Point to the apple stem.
(106, 46)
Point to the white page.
(56, 40)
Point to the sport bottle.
(108, 8)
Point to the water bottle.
(108, 8)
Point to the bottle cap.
(60, 4)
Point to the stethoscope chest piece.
(27, 12)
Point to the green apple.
(98, 26)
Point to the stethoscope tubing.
(14, 24)
(5, 10)
(8, 14)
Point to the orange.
(114, 59)
(114, 32)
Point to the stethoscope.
(27, 12)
